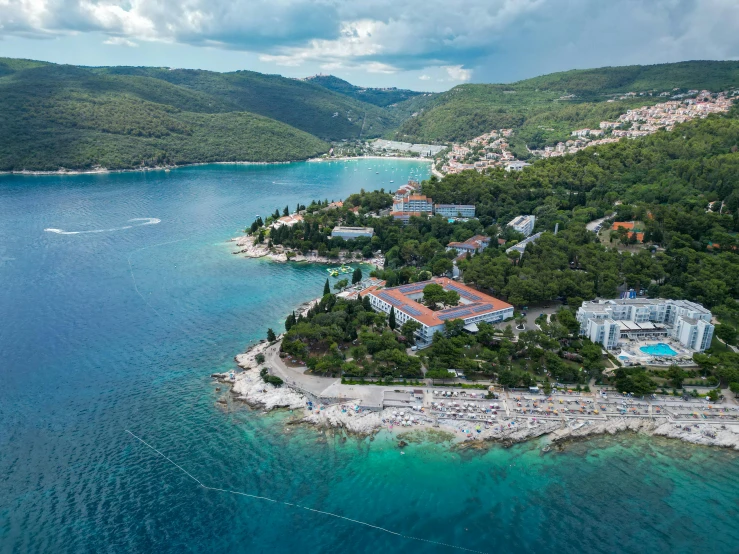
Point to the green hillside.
(303, 105)
(544, 109)
(378, 96)
(58, 116)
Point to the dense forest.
(378, 96)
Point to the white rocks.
(250, 387)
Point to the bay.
(120, 325)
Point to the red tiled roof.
(431, 318)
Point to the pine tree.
(391, 319)
(290, 321)
(286, 211)
(367, 304)
(356, 276)
(271, 337)
(326, 288)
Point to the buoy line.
(239, 493)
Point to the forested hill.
(555, 104)
(377, 96)
(57, 116)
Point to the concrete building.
(478, 243)
(405, 217)
(455, 210)
(645, 318)
(474, 307)
(516, 166)
(413, 203)
(349, 233)
(524, 224)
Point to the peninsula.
(505, 306)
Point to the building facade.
(349, 233)
(478, 243)
(524, 224)
(645, 318)
(474, 307)
(455, 210)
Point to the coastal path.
(322, 387)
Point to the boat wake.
(138, 222)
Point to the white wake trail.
(144, 220)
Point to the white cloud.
(490, 39)
(424, 77)
(458, 73)
(120, 41)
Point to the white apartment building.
(524, 224)
(607, 321)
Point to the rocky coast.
(347, 415)
(247, 246)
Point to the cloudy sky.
(418, 44)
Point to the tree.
(726, 333)
(391, 319)
(508, 332)
(408, 330)
(734, 387)
(341, 284)
(286, 211)
(326, 288)
(271, 337)
(676, 376)
(356, 276)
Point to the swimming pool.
(659, 349)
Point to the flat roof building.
(643, 318)
(474, 306)
(349, 233)
(524, 224)
(455, 210)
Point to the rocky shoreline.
(247, 246)
(348, 416)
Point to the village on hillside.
(491, 150)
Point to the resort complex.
(646, 320)
(474, 307)
(408, 201)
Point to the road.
(593, 224)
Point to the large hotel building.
(474, 306)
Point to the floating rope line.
(239, 493)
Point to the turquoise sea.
(121, 328)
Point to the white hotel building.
(608, 321)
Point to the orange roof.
(417, 197)
(470, 297)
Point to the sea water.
(120, 328)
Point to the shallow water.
(120, 329)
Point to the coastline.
(348, 415)
(349, 158)
(104, 170)
(245, 245)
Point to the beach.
(472, 423)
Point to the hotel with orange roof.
(474, 306)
